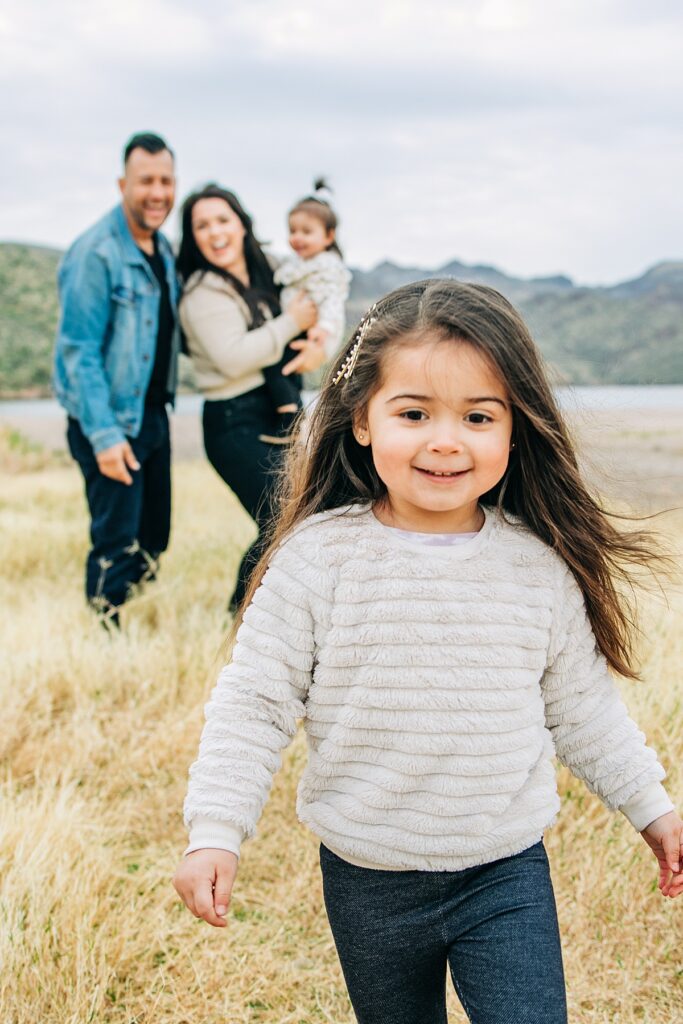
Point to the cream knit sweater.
(435, 684)
(228, 357)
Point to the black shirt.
(157, 391)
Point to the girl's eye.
(478, 417)
(414, 415)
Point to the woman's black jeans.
(494, 926)
(248, 466)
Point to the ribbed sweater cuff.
(642, 809)
(207, 834)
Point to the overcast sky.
(538, 136)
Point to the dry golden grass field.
(97, 735)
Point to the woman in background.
(235, 329)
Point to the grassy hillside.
(29, 313)
(595, 337)
(629, 334)
(28, 317)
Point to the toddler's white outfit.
(326, 280)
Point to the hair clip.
(346, 368)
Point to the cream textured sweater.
(227, 356)
(435, 684)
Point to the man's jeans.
(130, 524)
(495, 926)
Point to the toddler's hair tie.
(322, 194)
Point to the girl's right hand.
(664, 836)
(204, 881)
(303, 310)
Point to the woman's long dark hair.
(262, 289)
(542, 485)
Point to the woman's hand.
(318, 333)
(204, 882)
(303, 310)
(664, 836)
(312, 354)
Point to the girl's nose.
(445, 440)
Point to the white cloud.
(41, 38)
(538, 136)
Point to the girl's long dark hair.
(542, 485)
(262, 289)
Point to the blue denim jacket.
(106, 338)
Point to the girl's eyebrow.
(486, 398)
(413, 398)
(430, 398)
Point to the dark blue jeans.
(129, 524)
(249, 467)
(494, 926)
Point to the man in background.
(115, 372)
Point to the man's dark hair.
(148, 141)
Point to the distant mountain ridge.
(387, 275)
(628, 333)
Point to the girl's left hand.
(311, 355)
(664, 836)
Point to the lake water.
(608, 398)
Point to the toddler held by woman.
(316, 267)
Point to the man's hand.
(115, 462)
(664, 836)
(204, 882)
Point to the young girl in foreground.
(441, 605)
(315, 266)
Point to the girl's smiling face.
(439, 429)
